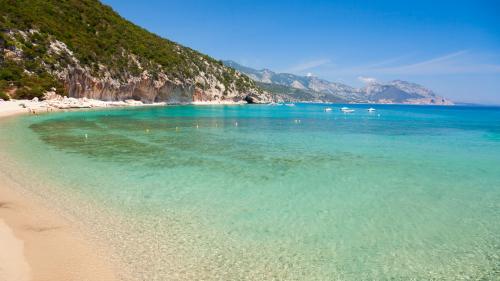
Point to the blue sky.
(452, 47)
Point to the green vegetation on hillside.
(98, 37)
(292, 94)
(28, 85)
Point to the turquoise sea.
(260, 192)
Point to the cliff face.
(79, 82)
(84, 49)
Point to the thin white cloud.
(386, 62)
(308, 65)
(459, 62)
(367, 80)
(432, 65)
(447, 57)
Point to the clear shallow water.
(286, 193)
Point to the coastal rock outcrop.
(80, 83)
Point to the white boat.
(371, 109)
(346, 110)
(290, 104)
(328, 109)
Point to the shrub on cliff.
(4, 96)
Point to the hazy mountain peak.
(374, 91)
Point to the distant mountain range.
(290, 87)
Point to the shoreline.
(57, 104)
(40, 244)
(13, 107)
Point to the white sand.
(10, 108)
(13, 265)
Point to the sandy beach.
(39, 244)
(8, 108)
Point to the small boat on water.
(328, 109)
(290, 104)
(371, 109)
(346, 110)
